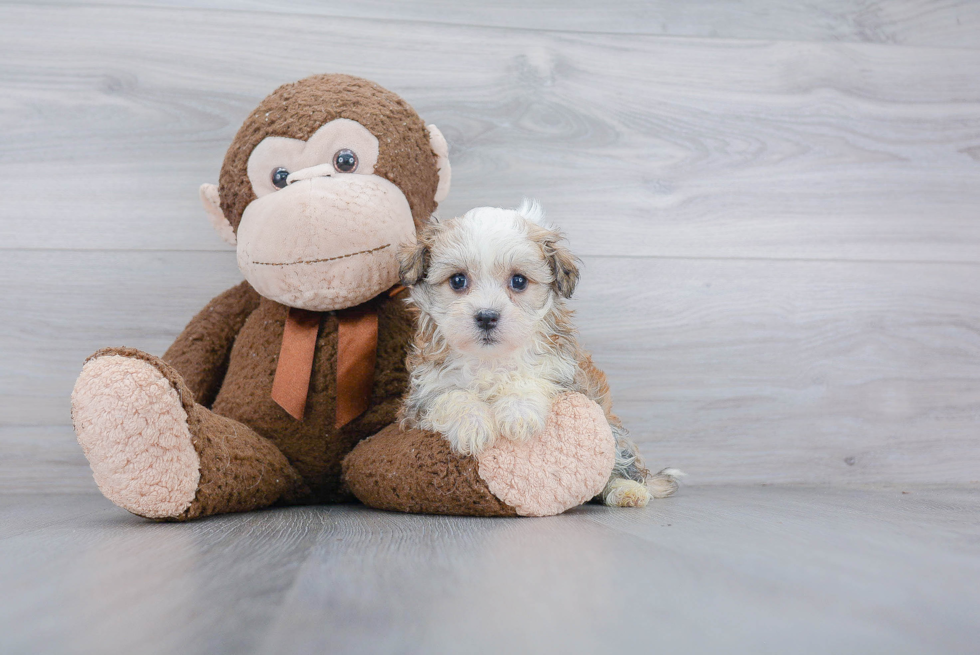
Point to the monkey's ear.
(441, 148)
(212, 205)
(564, 265)
(413, 260)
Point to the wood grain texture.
(778, 212)
(42, 459)
(948, 24)
(638, 145)
(714, 569)
(148, 589)
(752, 370)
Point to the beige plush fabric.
(212, 206)
(325, 244)
(565, 465)
(297, 155)
(441, 148)
(133, 429)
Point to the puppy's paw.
(471, 434)
(463, 419)
(519, 418)
(625, 493)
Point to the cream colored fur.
(468, 390)
(475, 386)
(133, 430)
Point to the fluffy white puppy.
(495, 342)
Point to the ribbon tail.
(292, 380)
(357, 351)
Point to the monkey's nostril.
(486, 319)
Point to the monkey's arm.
(200, 353)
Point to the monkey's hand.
(520, 416)
(463, 419)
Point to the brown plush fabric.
(313, 447)
(415, 471)
(200, 353)
(299, 109)
(252, 453)
(240, 470)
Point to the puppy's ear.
(564, 265)
(413, 260)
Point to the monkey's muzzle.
(325, 243)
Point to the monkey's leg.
(561, 467)
(158, 454)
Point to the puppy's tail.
(626, 492)
(664, 483)
(632, 484)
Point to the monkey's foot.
(133, 428)
(563, 466)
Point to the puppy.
(495, 342)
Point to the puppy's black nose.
(486, 319)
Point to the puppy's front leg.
(522, 413)
(463, 419)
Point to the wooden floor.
(714, 570)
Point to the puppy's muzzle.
(486, 319)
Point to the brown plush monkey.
(272, 384)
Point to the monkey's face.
(324, 230)
(323, 182)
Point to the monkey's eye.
(279, 177)
(345, 161)
(457, 282)
(518, 282)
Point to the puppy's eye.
(518, 282)
(279, 177)
(345, 161)
(457, 282)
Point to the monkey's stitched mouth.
(325, 259)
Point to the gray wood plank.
(638, 145)
(744, 370)
(910, 22)
(21, 513)
(112, 582)
(42, 459)
(715, 569)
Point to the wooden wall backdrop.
(777, 203)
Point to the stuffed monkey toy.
(275, 380)
(273, 383)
